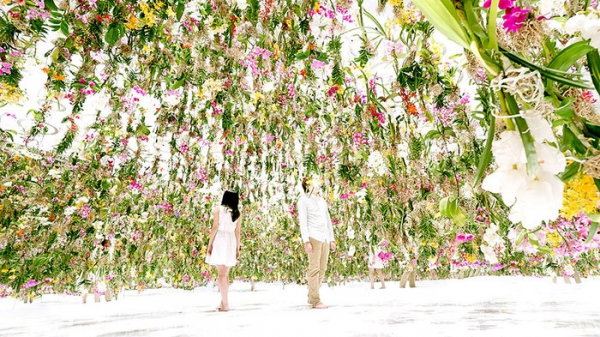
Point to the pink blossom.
(5, 68)
(513, 18)
(316, 64)
(503, 4)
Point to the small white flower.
(489, 254)
(351, 250)
(350, 233)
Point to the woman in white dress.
(224, 245)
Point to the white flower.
(268, 87)
(350, 233)
(540, 128)
(403, 151)
(511, 175)
(550, 159)
(533, 198)
(376, 163)
(242, 4)
(99, 56)
(489, 254)
(588, 26)
(540, 201)
(491, 236)
(368, 235)
(453, 147)
(351, 250)
(171, 100)
(70, 210)
(54, 173)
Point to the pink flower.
(316, 64)
(513, 18)
(344, 196)
(503, 4)
(384, 243)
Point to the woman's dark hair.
(305, 185)
(231, 200)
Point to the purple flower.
(513, 19)
(384, 243)
(31, 283)
(5, 68)
(316, 64)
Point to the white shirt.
(315, 221)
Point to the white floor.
(481, 306)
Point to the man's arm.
(303, 216)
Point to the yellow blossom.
(257, 97)
(170, 12)
(132, 23)
(317, 6)
(580, 195)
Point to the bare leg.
(223, 286)
(381, 278)
(372, 277)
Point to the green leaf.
(568, 57)
(597, 182)
(570, 172)
(142, 130)
(379, 26)
(526, 137)
(591, 130)
(520, 237)
(566, 109)
(570, 141)
(445, 19)
(593, 60)
(552, 74)
(180, 9)
(432, 134)
(301, 55)
(486, 157)
(64, 28)
(491, 30)
(592, 232)
(50, 5)
(178, 84)
(111, 35)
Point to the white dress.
(224, 244)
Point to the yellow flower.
(257, 97)
(170, 12)
(158, 5)
(317, 6)
(580, 195)
(132, 23)
(12, 277)
(5, 270)
(395, 2)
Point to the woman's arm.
(238, 229)
(214, 229)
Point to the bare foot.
(382, 287)
(372, 287)
(319, 306)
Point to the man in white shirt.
(317, 234)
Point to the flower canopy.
(446, 128)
